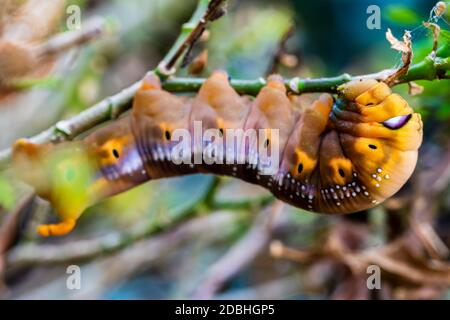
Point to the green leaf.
(402, 15)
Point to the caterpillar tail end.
(59, 229)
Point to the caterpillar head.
(379, 132)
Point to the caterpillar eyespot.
(336, 156)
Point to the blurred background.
(214, 237)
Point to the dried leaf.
(436, 29)
(405, 47)
(402, 46)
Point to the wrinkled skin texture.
(333, 156)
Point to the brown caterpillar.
(333, 156)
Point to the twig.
(240, 255)
(390, 257)
(66, 40)
(207, 11)
(8, 231)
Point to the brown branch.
(208, 10)
(67, 40)
(8, 232)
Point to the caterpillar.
(332, 156)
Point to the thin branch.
(66, 40)
(207, 11)
(8, 232)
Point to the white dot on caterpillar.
(379, 179)
(358, 189)
(366, 193)
(353, 194)
(234, 168)
(387, 177)
(310, 206)
(338, 204)
(293, 180)
(338, 187)
(258, 177)
(310, 197)
(374, 176)
(377, 185)
(344, 188)
(269, 184)
(291, 196)
(379, 170)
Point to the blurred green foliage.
(401, 14)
